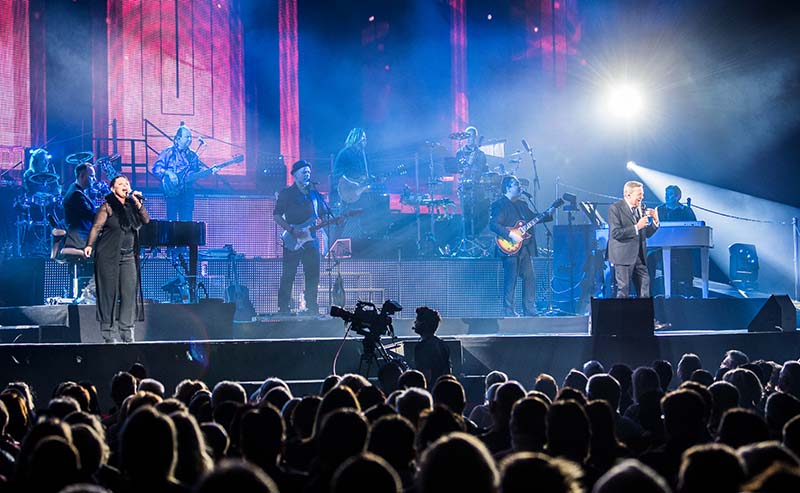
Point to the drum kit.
(39, 205)
(477, 187)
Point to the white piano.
(685, 234)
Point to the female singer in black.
(115, 232)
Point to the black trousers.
(514, 266)
(638, 273)
(181, 206)
(309, 256)
(121, 303)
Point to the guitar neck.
(197, 175)
(525, 227)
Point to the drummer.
(474, 203)
(472, 161)
(40, 177)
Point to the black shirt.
(432, 357)
(297, 207)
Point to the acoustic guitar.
(510, 247)
(172, 185)
(236, 293)
(350, 191)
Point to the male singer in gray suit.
(630, 224)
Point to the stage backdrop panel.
(458, 288)
(178, 60)
(15, 100)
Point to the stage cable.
(339, 350)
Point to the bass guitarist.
(174, 164)
(506, 212)
(296, 211)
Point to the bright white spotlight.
(630, 165)
(625, 101)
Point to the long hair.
(39, 156)
(354, 137)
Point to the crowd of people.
(648, 429)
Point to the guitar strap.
(366, 164)
(315, 203)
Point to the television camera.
(371, 323)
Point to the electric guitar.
(510, 247)
(173, 185)
(350, 191)
(309, 228)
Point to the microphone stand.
(536, 184)
(328, 257)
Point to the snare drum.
(43, 199)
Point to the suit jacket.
(624, 244)
(504, 214)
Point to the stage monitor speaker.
(626, 317)
(777, 314)
(22, 282)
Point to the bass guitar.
(350, 191)
(309, 228)
(510, 247)
(173, 185)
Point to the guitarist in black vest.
(505, 213)
(174, 164)
(296, 211)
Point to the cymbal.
(459, 135)
(79, 157)
(43, 178)
(110, 158)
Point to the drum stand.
(469, 247)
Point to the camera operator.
(431, 355)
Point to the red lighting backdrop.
(178, 60)
(15, 101)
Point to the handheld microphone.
(526, 146)
(643, 209)
(138, 195)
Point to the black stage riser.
(311, 359)
(45, 365)
(176, 322)
(78, 323)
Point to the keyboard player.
(683, 260)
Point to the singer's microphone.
(138, 195)
(689, 202)
(526, 146)
(202, 142)
(643, 209)
(525, 193)
(311, 182)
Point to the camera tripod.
(374, 352)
